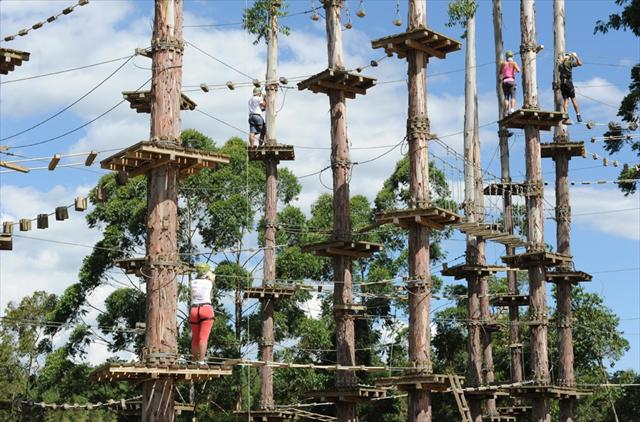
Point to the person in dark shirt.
(565, 71)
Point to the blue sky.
(604, 238)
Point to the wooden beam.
(15, 167)
(339, 87)
(90, 158)
(425, 49)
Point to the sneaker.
(567, 121)
(579, 118)
(511, 111)
(202, 362)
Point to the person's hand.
(573, 54)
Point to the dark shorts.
(509, 89)
(256, 123)
(567, 89)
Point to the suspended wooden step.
(278, 152)
(332, 80)
(531, 259)
(568, 149)
(541, 120)
(514, 410)
(266, 415)
(141, 266)
(568, 276)
(10, 59)
(305, 414)
(138, 372)
(6, 242)
(491, 232)
(463, 271)
(427, 382)
(352, 248)
(350, 309)
(500, 189)
(269, 292)
(548, 390)
(147, 155)
(357, 394)
(509, 300)
(140, 101)
(431, 43)
(498, 418)
(433, 217)
(134, 408)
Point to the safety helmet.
(257, 91)
(509, 53)
(202, 269)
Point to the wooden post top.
(431, 43)
(10, 59)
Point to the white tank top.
(201, 291)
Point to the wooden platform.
(541, 120)
(146, 155)
(500, 189)
(492, 232)
(353, 248)
(490, 326)
(570, 149)
(6, 242)
(484, 394)
(531, 259)
(431, 382)
(276, 152)
(140, 101)
(551, 391)
(429, 42)
(337, 80)
(9, 59)
(568, 277)
(276, 292)
(357, 394)
(433, 217)
(136, 266)
(266, 415)
(509, 300)
(136, 372)
(462, 271)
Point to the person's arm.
(516, 65)
(578, 62)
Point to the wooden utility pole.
(420, 286)
(475, 245)
(341, 167)
(566, 375)
(271, 212)
(515, 347)
(535, 212)
(162, 209)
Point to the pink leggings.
(201, 318)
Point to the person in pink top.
(508, 72)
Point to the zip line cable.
(27, 78)
(70, 105)
(44, 141)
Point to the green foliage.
(256, 18)
(460, 11)
(629, 111)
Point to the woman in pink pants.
(201, 315)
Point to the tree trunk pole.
(271, 213)
(162, 204)
(515, 349)
(566, 375)
(535, 212)
(341, 166)
(473, 211)
(420, 285)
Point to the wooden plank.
(424, 48)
